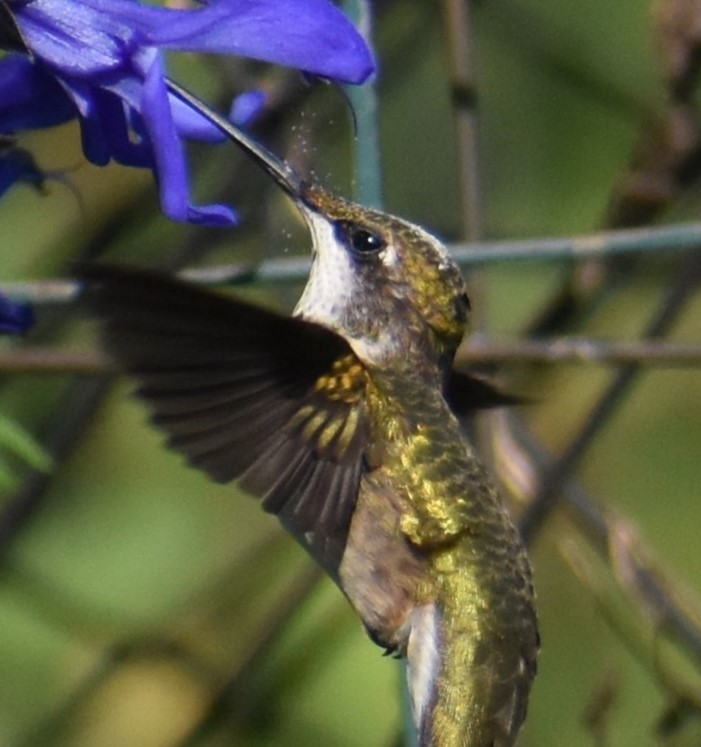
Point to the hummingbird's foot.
(390, 648)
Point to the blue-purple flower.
(247, 106)
(102, 62)
(15, 318)
(18, 165)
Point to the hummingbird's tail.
(461, 696)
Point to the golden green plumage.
(467, 562)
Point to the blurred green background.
(137, 589)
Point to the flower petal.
(312, 35)
(17, 165)
(30, 97)
(192, 125)
(171, 170)
(124, 131)
(247, 106)
(83, 37)
(15, 318)
(111, 127)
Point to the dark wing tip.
(466, 393)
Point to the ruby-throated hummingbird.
(341, 419)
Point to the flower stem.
(363, 99)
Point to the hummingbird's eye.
(359, 239)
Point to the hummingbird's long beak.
(282, 172)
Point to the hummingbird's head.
(386, 285)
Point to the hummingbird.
(343, 420)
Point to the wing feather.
(240, 391)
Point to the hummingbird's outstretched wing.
(274, 402)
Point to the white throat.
(329, 288)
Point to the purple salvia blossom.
(101, 61)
